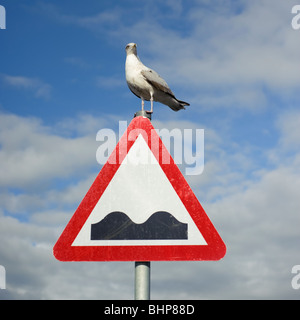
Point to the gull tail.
(178, 105)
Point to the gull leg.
(151, 103)
(151, 100)
(143, 103)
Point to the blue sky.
(62, 79)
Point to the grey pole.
(142, 280)
(143, 113)
(142, 269)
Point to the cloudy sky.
(62, 79)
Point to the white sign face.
(139, 196)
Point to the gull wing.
(157, 81)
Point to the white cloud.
(287, 151)
(226, 56)
(32, 153)
(110, 82)
(227, 45)
(254, 46)
(288, 124)
(78, 62)
(258, 220)
(259, 226)
(37, 86)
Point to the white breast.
(134, 78)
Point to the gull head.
(131, 48)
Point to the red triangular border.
(215, 248)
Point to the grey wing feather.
(157, 81)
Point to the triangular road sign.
(139, 208)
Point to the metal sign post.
(142, 281)
(142, 269)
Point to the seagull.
(147, 84)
